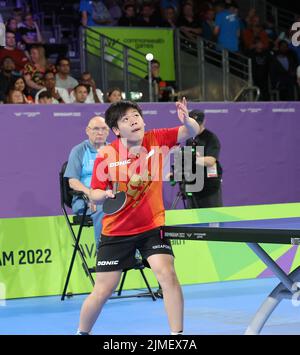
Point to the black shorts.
(118, 253)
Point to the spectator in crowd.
(58, 95)
(30, 31)
(19, 84)
(189, 25)
(35, 70)
(283, 72)
(7, 76)
(94, 13)
(63, 78)
(252, 34)
(160, 91)
(80, 94)
(261, 60)
(114, 10)
(202, 7)
(208, 25)
(18, 15)
(94, 95)
(271, 31)
(283, 36)
(228, 28)
(114, 95)
(169, 18)
(165, 4)
(15, 97)
(12, 26)
(251, 18)
(10, 50)
(129, 16)
(45, 98)
(147, 18)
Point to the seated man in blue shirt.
(80, 167)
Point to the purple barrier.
(260, 151)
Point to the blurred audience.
(252, 34)
(80, 94)
(283, 72)
(19, 84)
(45, 98)
(12, 26)
(114, 95)
(274, 57)
(261, 59)
(169, 18)
(58, 95)
(63, 78)
(15, 97)
(30, 31)
(128, 18)
(227, 28)
(208, 25)
(94, 13)
(7, 76)
(189, 25)
(147, 18)
(95, 95)
(10, 50)
(35, 70)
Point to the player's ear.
(116, 131)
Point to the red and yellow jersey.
(139, 174)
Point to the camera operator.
(211, 194)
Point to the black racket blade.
(114, 205)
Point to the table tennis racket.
(114, 205)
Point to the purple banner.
(260, 151)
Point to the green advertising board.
(35, 253)
(159, 42)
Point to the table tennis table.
(252, 232)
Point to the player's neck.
(129, 144)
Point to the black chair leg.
(148, 286)
(76, 248)
(122, 283)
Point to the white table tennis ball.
(149, 57)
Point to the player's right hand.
(109, 194)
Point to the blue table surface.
(279, 223)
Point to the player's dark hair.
(117, 110)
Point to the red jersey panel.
(139, 174)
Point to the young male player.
(128, 161)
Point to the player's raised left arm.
(190, 127)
